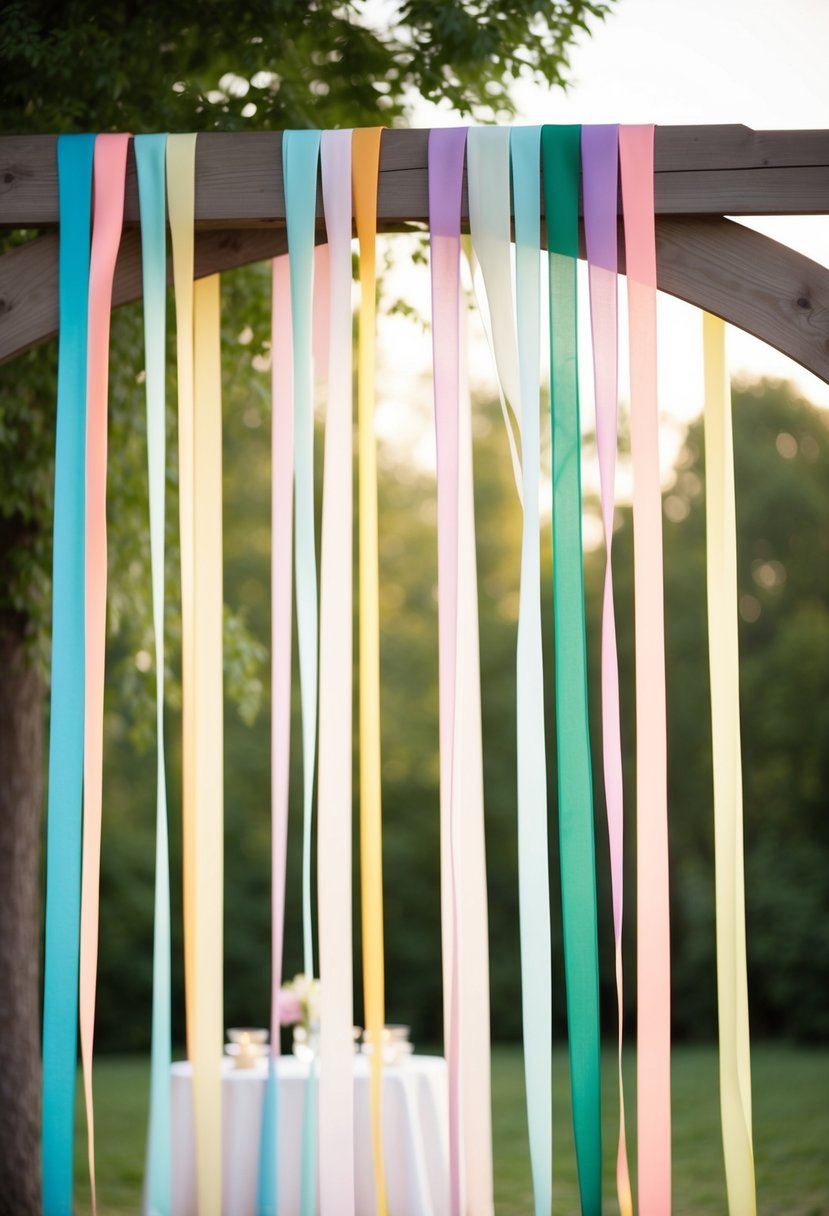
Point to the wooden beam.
(755, 283)
(716, 170)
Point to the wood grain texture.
(751, 281)
(29, 278)
(21, 808)
(717, 170)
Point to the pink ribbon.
(446, 157)
(653, 1054)
(333, 320)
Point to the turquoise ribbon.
(63, 835)
(533, 872)
(561, 159)
(300, 161)
(266, 1178)
(150, 152)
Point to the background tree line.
(781, 444)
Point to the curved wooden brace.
(751, 281)
(746, 278)
(29, 278)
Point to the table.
(415, 1136)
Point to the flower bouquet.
(299, 1006)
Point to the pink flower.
(290, 1008)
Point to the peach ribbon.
(108, 210)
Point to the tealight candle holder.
(394, 1043)
(248, 1045)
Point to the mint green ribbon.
(300, 160)
(533, 871)
(63, 832)
(561, 160)
(150, 152)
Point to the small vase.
(306, 1041)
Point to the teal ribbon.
(300, 162)
(561, 161)
(266, 1178)
(533, 866)
(150, 152)
(63, 834)
(300, 156)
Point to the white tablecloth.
(414, 1137)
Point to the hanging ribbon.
(321, 305)
(732, 982)
(365, 151)
(150, 152)
(560, 149)
(300, 158)
(66, 723)
(470, 836)
(199, 438)
(181, 167)
(300, 161)
(336, 1096)
(208, 741)
(490, 226)
(108, 210)
(653, 995)
(600, 171)
(282, 503)
(533, 875)
(446, 158)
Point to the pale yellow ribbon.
(200, 513)
(732, 984)
(365, 167)
(208, 744)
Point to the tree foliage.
(781, 450)
(783, 517)
(271, 63)
(166, 66)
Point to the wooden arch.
(702, 175)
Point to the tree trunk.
(21, 791)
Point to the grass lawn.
(791, 1133)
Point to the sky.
(757, 62)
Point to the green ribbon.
(560, 147)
